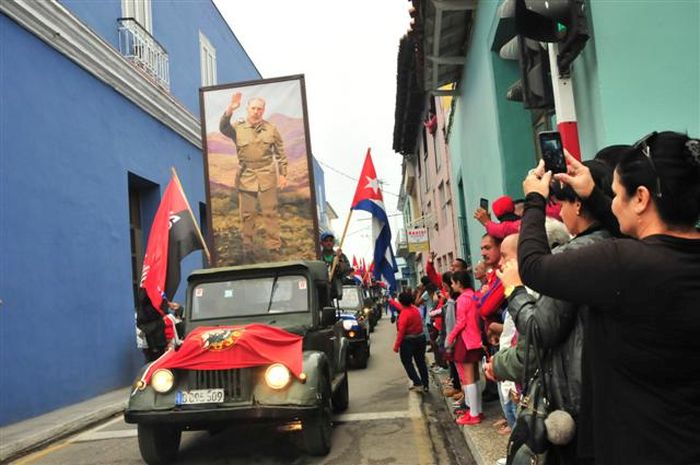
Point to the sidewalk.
(485, 443)
(27, 435)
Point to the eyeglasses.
(643, 145)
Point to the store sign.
(418, 240)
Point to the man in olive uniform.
(342, 267)
(258, 144)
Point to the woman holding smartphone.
(464, 341)
(641, 346)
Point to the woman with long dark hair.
(641, 352)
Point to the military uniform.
(257, 146)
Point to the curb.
(482, 452)
(23, 437)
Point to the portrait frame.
(286, 108)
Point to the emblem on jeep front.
(220, 339)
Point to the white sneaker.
(501, 461)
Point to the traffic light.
(534, 88)
(536, 78)
(560, 21)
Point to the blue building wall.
(320, 187)
(176, 26)
(68, 145)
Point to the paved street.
(385, 424)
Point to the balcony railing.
(136, 44)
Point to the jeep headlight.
(366, 310)
(347, 325)
(277, 376)
(162, 380)
(351, 334)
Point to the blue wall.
(320, 187)
(67, 145)
(176, 26)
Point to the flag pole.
(194, 221)
(342, 240)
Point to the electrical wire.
(350, 177)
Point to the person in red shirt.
(509, 222)
(410, 342)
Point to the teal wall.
(640, 71)
(490, 142)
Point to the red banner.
(226, 347)
(172, 237)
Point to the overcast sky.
(347, 52)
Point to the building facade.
(99, 101)
(426, 197)
(632, 77)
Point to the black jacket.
(561, 332)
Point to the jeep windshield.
(249, 297)
(351, 298)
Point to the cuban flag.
(356, 275)
(368, 197)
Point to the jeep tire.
(361, 359)
(158, 443)
(341, 396)
(318, 427)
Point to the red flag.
(226, 347)
(173, 236)
(354, 263)
(368, 185)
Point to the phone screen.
(552, 151)
(484, 203)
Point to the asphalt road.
(385, 424)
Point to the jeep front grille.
(230, 380)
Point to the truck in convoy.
(263, 343)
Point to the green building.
(639, 72)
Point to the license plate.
(200, 396)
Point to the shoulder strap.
(534, 342)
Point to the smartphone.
(552, 151)
(484, 203)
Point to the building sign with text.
(418, 240)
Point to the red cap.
(503, 205)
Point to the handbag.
(528, 443)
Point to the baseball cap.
(502, 206)
(325, 235)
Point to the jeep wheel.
(361, 359)
(341, 396)
(158, 443)
(317, 428)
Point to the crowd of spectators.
(589, 286)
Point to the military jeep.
(291, 296)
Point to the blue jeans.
(413, 349)
(508, 407)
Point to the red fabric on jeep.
(226, 347)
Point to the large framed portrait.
(258, 172)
